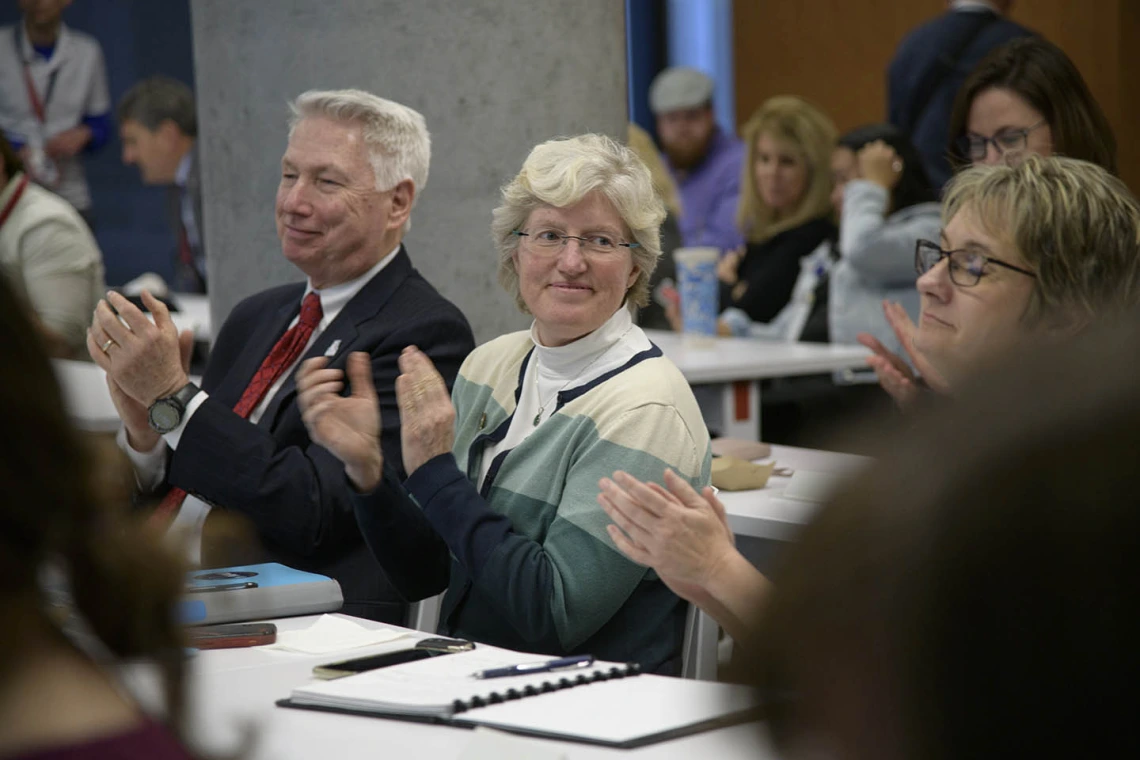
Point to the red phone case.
(257, 635)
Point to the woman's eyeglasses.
(974, 147)
(551, 242)
(966, 266)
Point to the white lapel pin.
(332, 349)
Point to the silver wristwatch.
(166, 414)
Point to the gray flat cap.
(679, 87)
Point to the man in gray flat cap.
(705, 161)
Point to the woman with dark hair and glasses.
(1028, 97)
(1025, 98)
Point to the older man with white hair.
(352, 171)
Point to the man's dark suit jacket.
(918, 53)
(187, 280)
(294, 491)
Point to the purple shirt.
(710, 193)
(148, 741)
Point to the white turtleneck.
(563, 368)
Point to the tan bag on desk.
(730, 474)
(740, 449)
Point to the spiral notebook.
(609, 704)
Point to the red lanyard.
(39, 106)
(33, 96)
(11, 204)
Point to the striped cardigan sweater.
(532, 565)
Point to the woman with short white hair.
(506, 470)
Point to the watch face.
(164, 417)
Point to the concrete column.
(492, 78)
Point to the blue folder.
(256, 592)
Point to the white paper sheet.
(333, 634)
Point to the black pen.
(562, 663)
(222, 587)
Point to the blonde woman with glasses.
(1035, 252)
(1025, 98)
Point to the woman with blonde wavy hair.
(785, 204)
(505, 471)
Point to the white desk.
(731, 369)
(85, 394)
(86, 397)
(194, 315)
(765, 513)
(235, 687)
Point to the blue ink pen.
(562, 663)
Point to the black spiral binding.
(532, 690)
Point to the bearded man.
(703, 160)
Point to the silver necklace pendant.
(581, 373)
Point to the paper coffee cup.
(700, 292)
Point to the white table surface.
(233, 688)
(765, 512)
(722, 360)
(86, 396)
(726, 372)
(193, 314)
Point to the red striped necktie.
(283, 355)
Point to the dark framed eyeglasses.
(551, 242)
(966, 266)
(974, 147)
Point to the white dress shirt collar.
(183, 172)
(336, 297)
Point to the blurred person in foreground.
(49, 256)
(928, 69)
(60, 696)
(54, 103)
(1029, 254)
(974, 594)
(1026, 98)
(350, 175)
(704, 161)
(506, 470)
(158, 127)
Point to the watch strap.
(178, 401)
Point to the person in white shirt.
(49, 256)
(54, 102)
